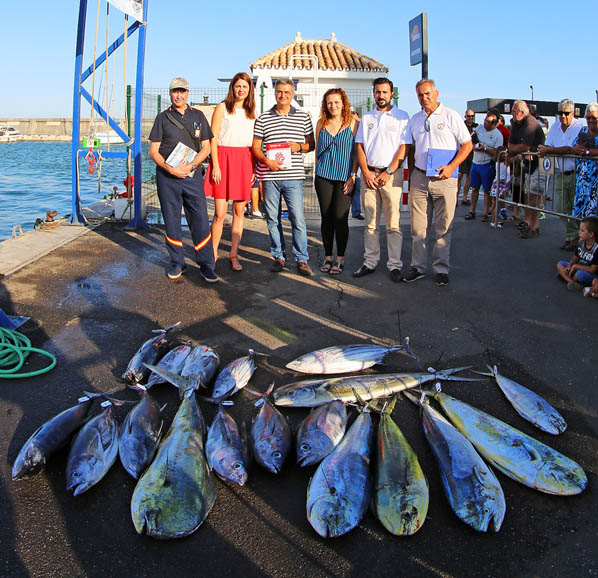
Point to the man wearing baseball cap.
(181, 186)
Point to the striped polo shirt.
(334, 154)
(272, 127)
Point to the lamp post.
(531, 87)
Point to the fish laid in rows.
(150, 352)
(401, 495)
(48, 438)
(140, 435)
(201, 365)
(529, 405)
(472, 489)
(345, 358)
(226, 450)
(93, 451)
(271, 435)
(176, 493)
(172, 361)
(234, 376)
(315, 392)
(320, 432)
(514, 453)
(339, 492)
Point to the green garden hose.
(14, 350)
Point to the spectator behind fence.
(526, 135)
(335, 175)
(465, 166)
(559, 141)
(230, 174)
(586, 170)
(582, 270)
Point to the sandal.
(522, 225)
(326, 266)
(470, 216)
(465, 202)
(337, 268)
(234, 263)
(485, 219)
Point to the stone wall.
(60, 127)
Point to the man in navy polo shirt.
(182, 186)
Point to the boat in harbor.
(9, 134)
(109, 137)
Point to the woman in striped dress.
(335, 175)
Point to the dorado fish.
(271, 435)
(176, 493)
(234, 376)
(345, 358)
(201, 365)
(48, 438)
(339, 492)
(172, 361)
(315, 392)
(150, 352)
(320, 432)
(474, 493)
(514, 453)
(529, 405)
(226, 450)
(401, 494)
(140, 435)
(93, 452)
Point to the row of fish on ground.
(176, 488)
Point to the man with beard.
(380, 148)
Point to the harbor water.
(35, 177)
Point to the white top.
(446, 130)
(557, 138)
(490, 138)
(381, 134)
(236, 129)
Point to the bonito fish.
(339, 492)
(474, 493)
(201, 365)
(514, 453)
(315, 392)
(401, 494)
(529, 405)
(234, 376)
(345, 358)
(176, 493)
(320, 432)
(172, 361)
(93, 452)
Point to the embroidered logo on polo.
(440, 126)
(371, 125)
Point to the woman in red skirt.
(230, 173)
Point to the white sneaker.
(258, 214)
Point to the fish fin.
(363, 405)
(182, 383)
(163, 407)
(412, 398)
(479, 474)
(258, 354)
(483, 373)
(532, 451)
(251, 394)
(164, 331)
(404, 348)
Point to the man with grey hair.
(559, 141)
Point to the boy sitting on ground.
(583, 268)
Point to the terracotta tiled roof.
(331, 55)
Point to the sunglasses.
(470, 116)
(564, 112)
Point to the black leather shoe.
(363, 271)
(396, 276)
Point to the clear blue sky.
(475, 50)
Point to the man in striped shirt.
(286, 133)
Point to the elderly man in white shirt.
(438, 142)
(559, 142)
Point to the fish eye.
(276, 455)
(237, 466)
(304, 447)
(76, 474)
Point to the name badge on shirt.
(196, 133)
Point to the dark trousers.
(334, 208)
(176, 194)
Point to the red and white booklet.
(280, 152)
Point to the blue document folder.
(438, 158)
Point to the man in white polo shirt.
(438, 142)
(381, 149)
(559, 142)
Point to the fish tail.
(404, 348)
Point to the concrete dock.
(94, 300)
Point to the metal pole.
(159, 104)
(261, 98)
(424, 45)
(396, 96)
(129, 110)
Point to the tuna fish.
(514, 453)
(226, 451)
(345, 358)
(172, 361)
(529, 405)
(140, 436)
(339, 492)
(320, 432)
(401, 493)
(234, 376)
(315, 392)
(93, 452)
(271, 435)
(474, 493)
(201, 365)
(150, 352)
(176, 493)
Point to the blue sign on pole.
(416, 37)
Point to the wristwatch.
(388, 171)
(353, 175)
(587, 152)
(193, 165)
